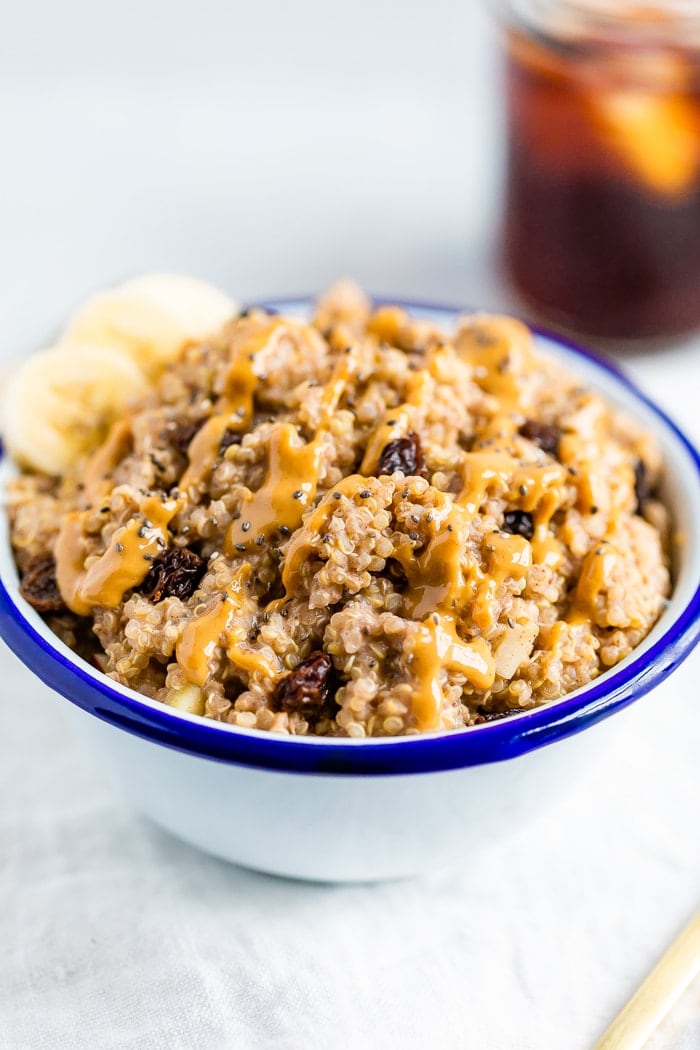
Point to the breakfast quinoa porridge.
(359, 526)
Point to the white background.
(271, 147)
(267, 146)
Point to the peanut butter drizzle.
(482, 471)
(581, 446)
(594, 579)
(441, 581)
(124, 564)
(435, 575)
(292, 475)
(397, 421)
(344, 370)
(221, 625)
(301, 545)
(386, 322)
(500, 428)
(396, 424)
(500, 351)
(436, 646)
(288, 489)
(508, 557)
(544, 492)
(204, 448)
(97, 477)
(235, 409)
(444, 579)
(69, 553)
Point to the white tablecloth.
(115, 935)
(196, 138)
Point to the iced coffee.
(602, 229)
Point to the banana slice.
(60, 403)
(133, 326)
(151, 318)
(197, 307)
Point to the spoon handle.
(657, 994)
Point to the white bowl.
(338, 810)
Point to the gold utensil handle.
(657, 994)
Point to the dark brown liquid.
(603, 206)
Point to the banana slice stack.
(59, 404)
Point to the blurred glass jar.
(602, 228)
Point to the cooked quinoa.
(360, 526)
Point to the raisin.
(175, 573)
(546, 435)
(39, 585)
(228, 438)
(519, 523)
(307, 688)
(405, 454)
(641, 485)
(181, 437)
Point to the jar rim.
(659, 22)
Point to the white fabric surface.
(272, 161)
(116, 935)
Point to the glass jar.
(602, 228)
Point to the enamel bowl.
(346, 809)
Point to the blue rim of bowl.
(491, 742)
